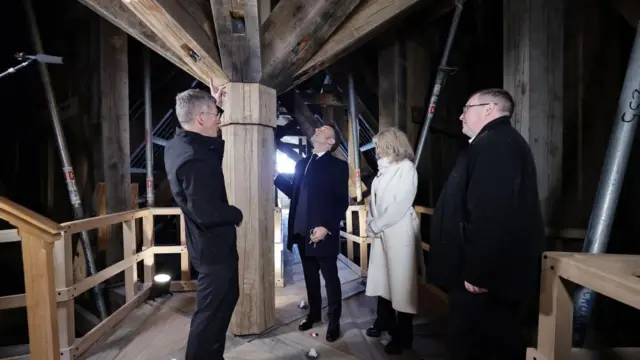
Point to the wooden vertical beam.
(40, 290)
(238, 32)
(555, 320)
(114, 119)
(533, 74)
(63, 278)
(392, 83)
(249, 168)
(417, 90)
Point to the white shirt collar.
(320, 154)
(471, 140)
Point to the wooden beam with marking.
(184, 35)
(365, 21)
(294, 31)
(117, 13)
(238, 31)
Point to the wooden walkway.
(158, 329)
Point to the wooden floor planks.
(158, 330)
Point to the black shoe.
(307, 323)
(395, 347)
(377, 329)
(333, 332)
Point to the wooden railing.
(48, 274)
(48, 270)
(615, 276)
(360, 265)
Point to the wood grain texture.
(249, 169)
(37, 257)
(114, 121)
(116, 12)
(170, 21)
(294, 31)
(533, 74)
(238, 31)
(364, 22)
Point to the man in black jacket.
(319, 202)
(193, 161)
(487, 234)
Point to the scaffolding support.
(610, 186)
(441, 77)
(148, 127)
(67, 168)
(355, 129)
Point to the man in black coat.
(319, 202)
(193, 161)
(487, 234)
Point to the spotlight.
(161, 286)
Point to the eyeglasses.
(466, 107)
(217, 114)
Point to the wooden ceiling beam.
(367, 20)
(293, 33)
(238, 31)
(116, 12)
(184, 35)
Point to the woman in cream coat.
(393, 226)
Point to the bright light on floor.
(284, 164)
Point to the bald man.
(319, 202)
(487, 234)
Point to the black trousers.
(398, 323)
(216, 298)
(311, 267)
(483, 327)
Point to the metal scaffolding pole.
(355, 129)
(613, 172)
(148, 126)
(441, 77)
(67, 169)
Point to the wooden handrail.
(23, 218)
(77, 226)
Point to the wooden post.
(555, 319)
(392, 83)
(533, 74)
(40, 290)
(63, 267)
(114, 118)
(249, 167)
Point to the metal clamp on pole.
(441, 77)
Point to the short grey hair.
(394, 145)
(503, 99)
(191, 102)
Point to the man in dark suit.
(193, 160)
(487, 234)
(319, 202)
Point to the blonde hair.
(394, 144)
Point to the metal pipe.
(613, 172)
(441, 77)
(148, 126)
(355, 129)
(67, 168)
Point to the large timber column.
(249, 169)
(392, 83)
(114, 119)
(533, 74)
